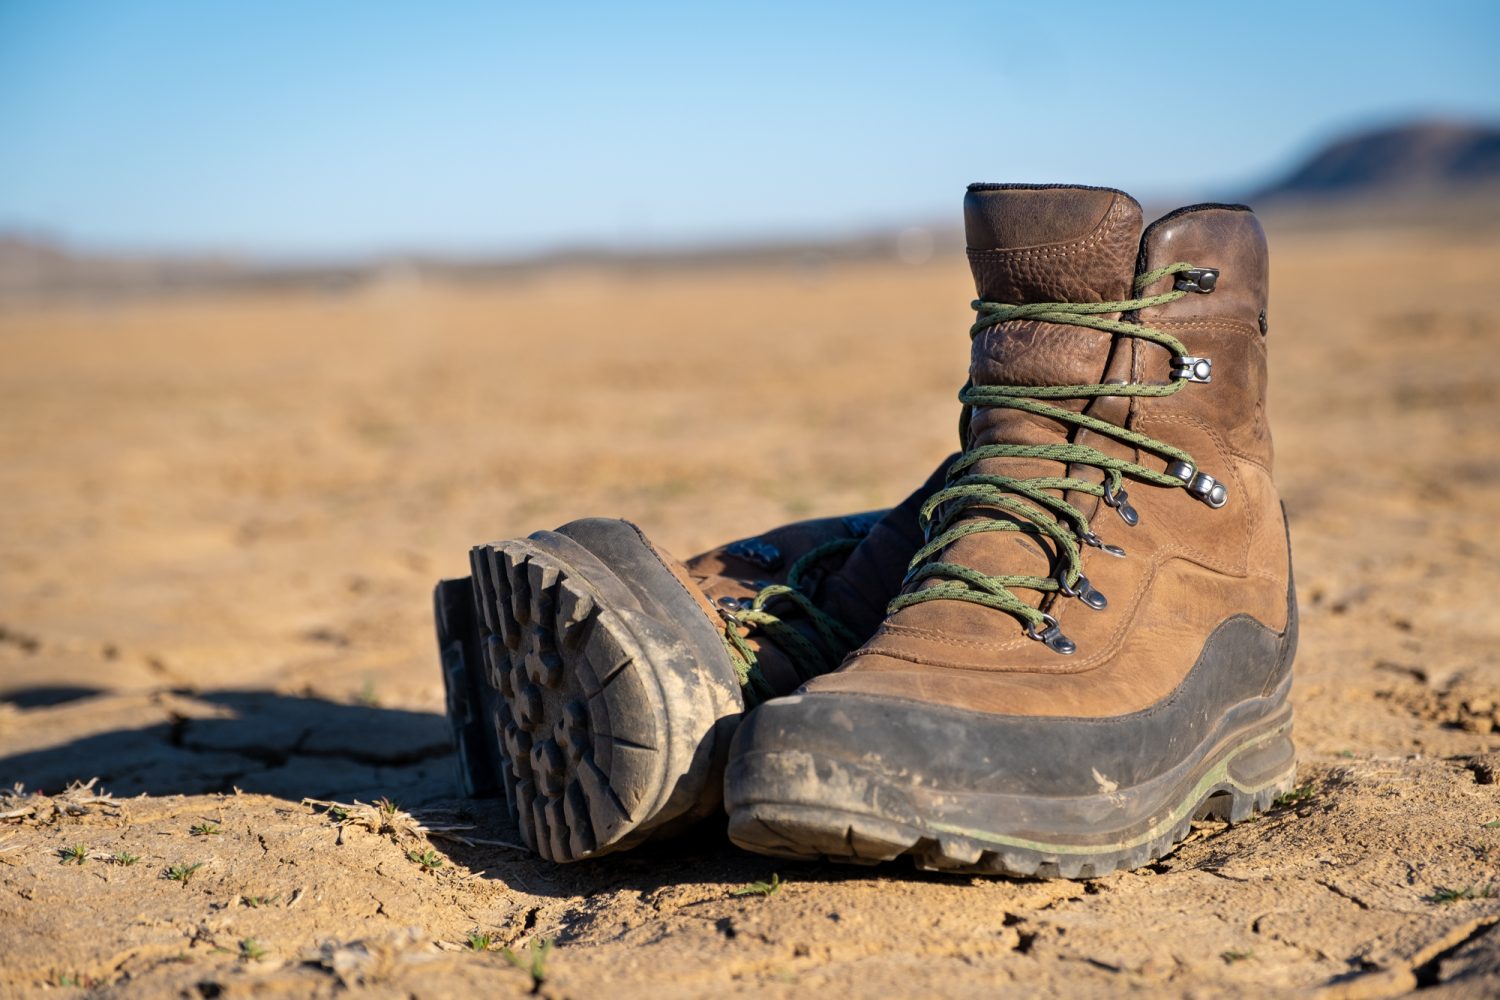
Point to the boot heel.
(605, 725)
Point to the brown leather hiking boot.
(1076, 669)
(595, 681)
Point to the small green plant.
(428, 859)
(252, 950)
(208, 828)
(1456, 895)
(480, 942)
(1232, 956)
(256, 902)
(76, 854)
(387, 811)
(770, 888)
(536, 964)
(182, 873)
(339, 813)
(1295, 795)
(125, 858)
(1491, 825)
(368, 695)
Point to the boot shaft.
(1200, 525)
(1031, 244)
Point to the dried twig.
(78, 799)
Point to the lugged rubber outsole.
(606, 733)
(805, 830)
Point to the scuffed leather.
(1189, 567)
(854, 592)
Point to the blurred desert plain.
(226, 503)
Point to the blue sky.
(334, 128)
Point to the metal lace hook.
(1082, 590)
(1051, 636)
(1095, 541)
(1120, 501)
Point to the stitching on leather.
(1251, 460)
(1107, 651)
(1111, 648)
(1227, 325)
(1101, 230)
(1222, 447)
(1149, 711)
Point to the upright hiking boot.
(595, 681)
(1094, 646)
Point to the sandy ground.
(220, 520)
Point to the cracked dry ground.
(222, 518)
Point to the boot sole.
(1228, 779)
(612, 697)
(462, 664)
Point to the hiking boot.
(1094, 646)
(595, 681)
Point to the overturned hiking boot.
(1094, 646)
(598, 681)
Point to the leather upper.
(854, 589)
(1188, 567)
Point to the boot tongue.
(1027, 245)
(1045, 244)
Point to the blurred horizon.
(303, 133)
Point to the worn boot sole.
(866, 779)
(469, 710)
(799, 805)
(613, 696)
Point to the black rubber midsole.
(1249, 750)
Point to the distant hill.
(1419, 159)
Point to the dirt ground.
(221, 519)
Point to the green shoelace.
(1047, 515)
(809, 656)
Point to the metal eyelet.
(1181, 470)
(1185, 366)
(1099, 543)
(1120, 501)
(1198, 279)
(1051, 636)
(1084, 591)
(1209, 490)
(1200, 484)
(756, 550)
(730, 608)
